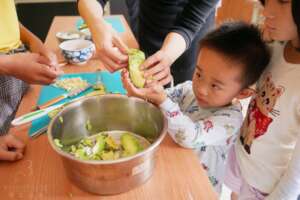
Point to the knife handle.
(51, 102)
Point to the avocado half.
(135, 59)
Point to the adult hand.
(29, 67)
(154, 94)
(158, 65)
(11, 148)
(36, 46)
(157, 68)
(111, 50)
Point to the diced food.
(88, 125)
(130, 144)
(105, 146)
(71, 84)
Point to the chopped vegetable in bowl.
(108, 145)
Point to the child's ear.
(245, 93)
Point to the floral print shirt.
(210, 132)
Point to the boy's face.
(216, 80)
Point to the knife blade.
(64, 96)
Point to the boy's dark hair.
(242, 43)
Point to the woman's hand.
(36, 46)
(11, 148)
(111, 50)
(157, 67)
(154, 94)
(29, 67)
(109, 47)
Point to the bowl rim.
(105, 162)
(90, 44)
(58, 34)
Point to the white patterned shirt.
(268, 148)
(209, 131)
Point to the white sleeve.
(177, 93)
(214, 130)
(288, 187)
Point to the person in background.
(18, 68)
(206, 114)
(265, 162)
(167, 31)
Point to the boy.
(204, 114)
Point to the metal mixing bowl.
(106, 113)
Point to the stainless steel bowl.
(105, 113)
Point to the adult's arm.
(193, 18)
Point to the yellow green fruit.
(136, 58)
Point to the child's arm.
(213, 130)
(288, 187)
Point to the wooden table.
(40, 174)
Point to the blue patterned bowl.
(77, 51)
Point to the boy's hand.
(11, 148)
(154, 93)
(30, 67)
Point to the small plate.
(70, 35)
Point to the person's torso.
(270, 130)
(155, 20)
(9, 26)
(160, 15)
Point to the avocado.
(130, 144)
(80, 153)
(111, 143)
(136, 58)
(107, 155)
(100, 144)
(58, 143)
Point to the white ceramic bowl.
(77, 51)
(70, 35)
